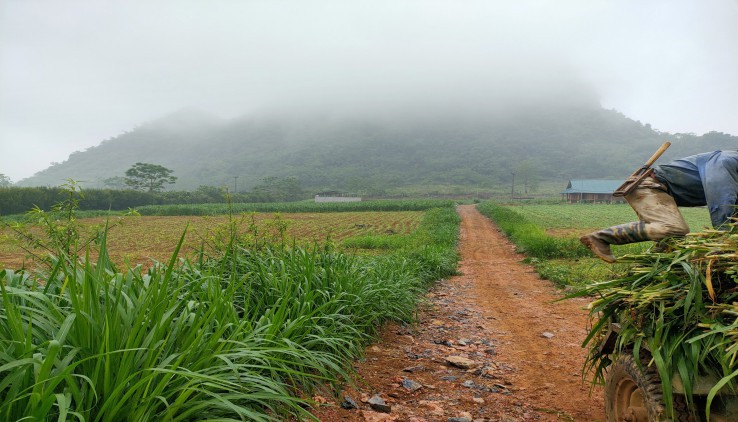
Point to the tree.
(5, 181)
(115, 182)
(211, 193)
(527, 170)
(279, 189)
(149, 177)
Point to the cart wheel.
(636, 396)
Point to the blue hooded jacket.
(709, 178)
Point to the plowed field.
(143, 239)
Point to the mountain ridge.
(379, 154)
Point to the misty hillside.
(382, 154)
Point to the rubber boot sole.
(598, 247)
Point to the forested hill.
(382, 154)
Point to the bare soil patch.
(523, 347)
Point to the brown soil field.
(143, 239)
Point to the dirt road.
(491, 345)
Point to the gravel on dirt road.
(491, 344)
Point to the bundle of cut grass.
(681, 306)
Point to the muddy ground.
(491, 345)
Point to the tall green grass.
(560, 259)
(531, 238)
(245, 334)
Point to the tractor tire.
(636, 396)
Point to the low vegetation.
(530, 237)
(245, 331)
(548, 234)
(582, 218)
(288, 207)
(206, 200)
(559, 258)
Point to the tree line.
(144, 185)
(17, 200)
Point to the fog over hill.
(401, 146)
(297, 87)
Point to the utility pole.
(512, 189)
(525, 183)
(235, 185)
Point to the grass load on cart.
(679, 308)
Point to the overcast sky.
(73, 73)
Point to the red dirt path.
(497, 313)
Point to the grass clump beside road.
(562, 260)
(531, 238)
(246, 334)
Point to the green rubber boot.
(599, 242)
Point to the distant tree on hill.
(149, 177)
(278, 189)
(211, 193)
(5, 181)
(116, 182)
(527, 172)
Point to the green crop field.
(548, 235)
(588, 217)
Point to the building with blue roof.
(592, 190)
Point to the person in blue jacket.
(710, 178)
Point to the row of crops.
(587, 217)
(293, 207)
(243, 331)
(139, 239)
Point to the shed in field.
(334, 196)
(592, 190)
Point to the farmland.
(583, 218)
(246, 334)
(141, 239)
(263, 323)
(548, 235)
